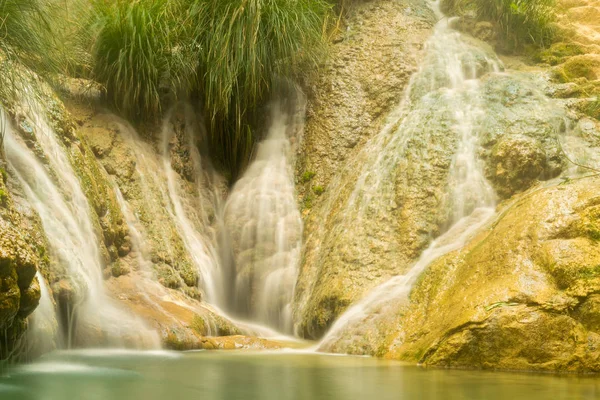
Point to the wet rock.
(20, 258)
(239, 343)
(521, 295)
(516, 163)
(350, 101)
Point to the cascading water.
(54, 191)
(43, 333)
(265, 227)
(201, 249)
(450, 72)
(161, 189)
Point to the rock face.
(369, 65)
(170, 198)
(521, 295)
(134, 165)
(139, 228)
(369, 68)
(397, 191)
(20, 258)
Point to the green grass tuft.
(307, 176)
(245, 46)
(25, 32)
(228, 53)
(520, 22)
(138, 49)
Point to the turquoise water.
(116, 375)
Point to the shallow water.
(115, 375)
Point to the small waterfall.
(43, 334)
(53, 190)
(200, 248)
(451, 70)
(265, 227)
(162, 189)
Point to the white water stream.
(265, 226)
(53, 190)
(451, 69)
(43, 333)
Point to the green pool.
(116, 375)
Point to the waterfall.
(265, 227)
(43, 334)
(451, 70)
(53, 190)
(187, 203)
(200, 248)
(165, 198)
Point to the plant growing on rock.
(519, 21)
(24, 32)
(243, 47)
(137, 47)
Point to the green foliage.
(228, 52)
(520, 22)
(307, 203)
(576, 67)
(24, 32)
(70, 25)
(244, 46)
(307, 176)
(593, 109)
(318, 190)
(24, 39)
(138, 46)
(558, 52)
(3, 197)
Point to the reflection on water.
(95, 375)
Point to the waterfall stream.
(53, 190)
(451, 70)
(43, 333)
(200, 248)
(265, 226)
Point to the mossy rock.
(558, 52)
(579, 67)
(167, 276)
(119, 268)
(198, 325)
(21, 255)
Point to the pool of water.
(116, 375)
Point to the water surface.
(116, 375)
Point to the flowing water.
(450, 72)
(200, 247)
(265, 227)
(53, 190)
(43, 334)
(164, 200)
(122, 375)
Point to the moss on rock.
(579, 67)
(520, 296)
(20, 258)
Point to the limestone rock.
(516, 162)
(19, 260)
(522, 295)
